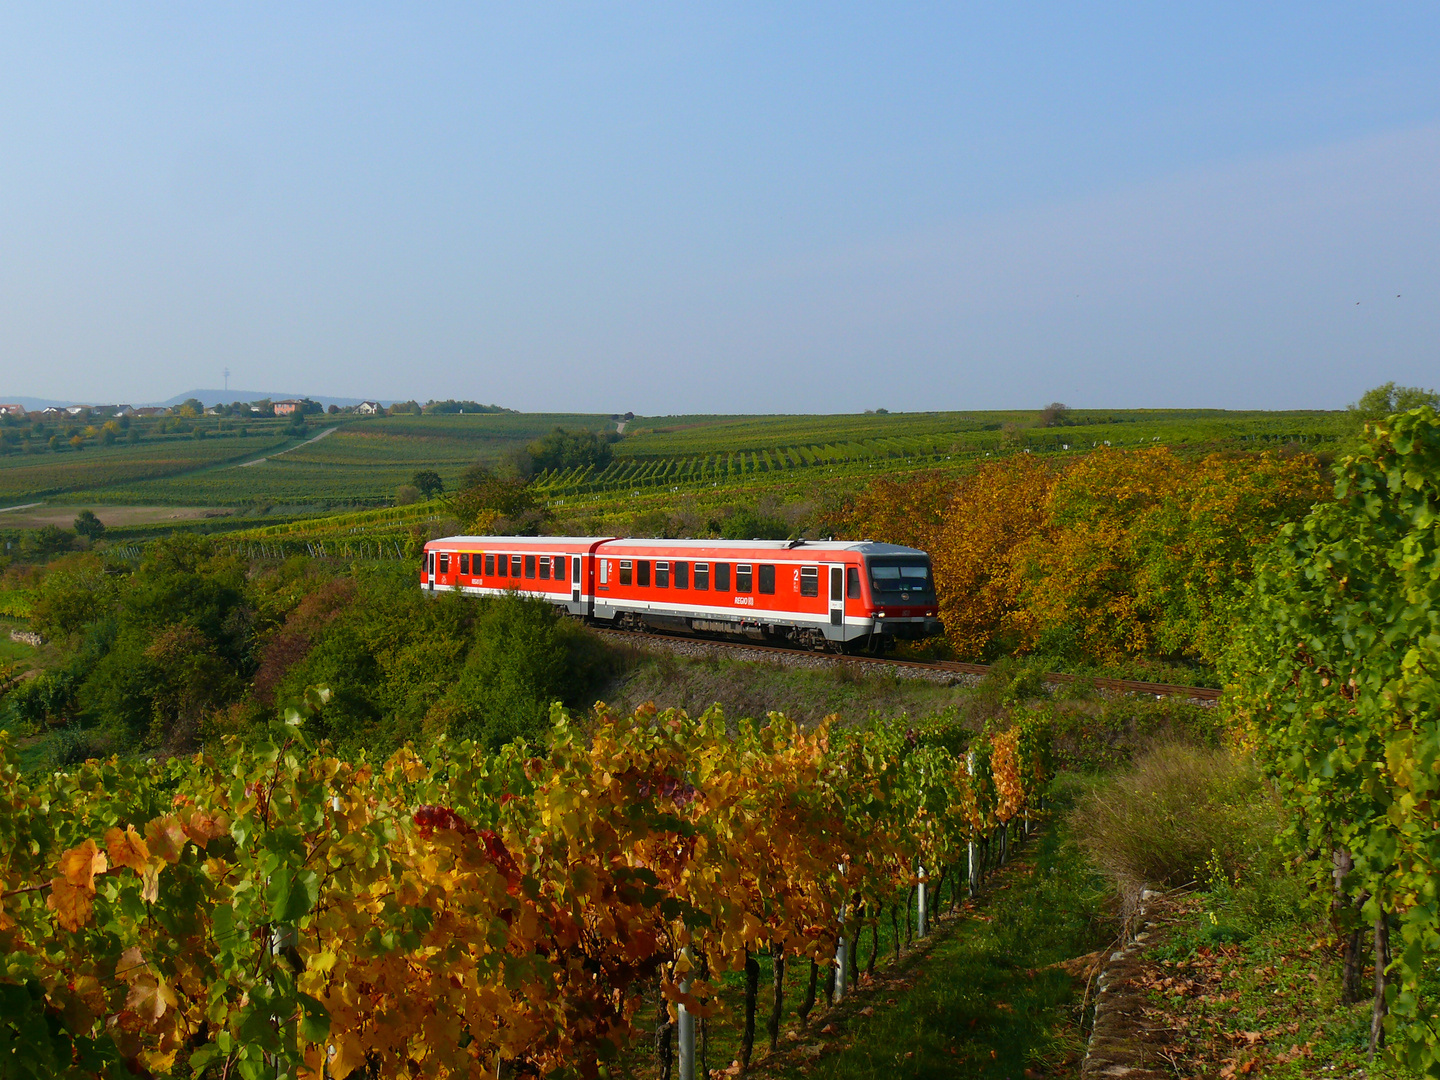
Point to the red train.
(842, 595)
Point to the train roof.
(863, 547)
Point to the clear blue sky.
(730, 207)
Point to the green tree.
(44, 541)
(428, 483)
(747, 524)
(141, 662)
(563, 449)
(87, 524)
(486, 502)
(1387, 399)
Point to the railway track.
(1123, 686)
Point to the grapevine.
(274, 910)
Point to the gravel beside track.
(948, 673)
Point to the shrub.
(1175, 815)
(748, 524)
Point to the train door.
(837, 595)
(430, 570)
(575, 584)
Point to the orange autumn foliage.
(1117, 553)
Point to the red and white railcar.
(831, 593)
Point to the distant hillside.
(34, 403)
(209, 397)
(225, 397)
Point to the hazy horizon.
(722, 209)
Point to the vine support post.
(922, 905)
(841, 955)
(1382, 961)
(973, 849)
(685, 1022)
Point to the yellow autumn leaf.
(72, 905)
(127, 849)
(80, 864)
(150, 888)
(130, 964)
(149, 997)
(166, 838)
(349, 1055)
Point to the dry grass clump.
(1178, 814)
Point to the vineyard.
(275, 911)
(753, 450)
(28, 477)
(362, 463)
(365, 461)
(1334, 685)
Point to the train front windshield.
(902, 579)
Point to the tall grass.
(1179, 814)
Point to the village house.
(13, 410)
(287, 407)
(368, 408)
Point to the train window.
(530, 566)
(464, 563)
(852, 582)
(837, 584)
(742, 577)
(702, 575)
(489, 565)
(605, 573)
(429, 562)
(642, 573)
(767, 579)
(444, 562)
(544, 567)
(662, 575)
(559, 562)
(515, 565)
(722, 577)
(682, 575)
(809, 581)
(627, 571)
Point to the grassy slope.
(984, 997)
(1268, 1004)
(990, 1000)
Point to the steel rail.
(1124, 686)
